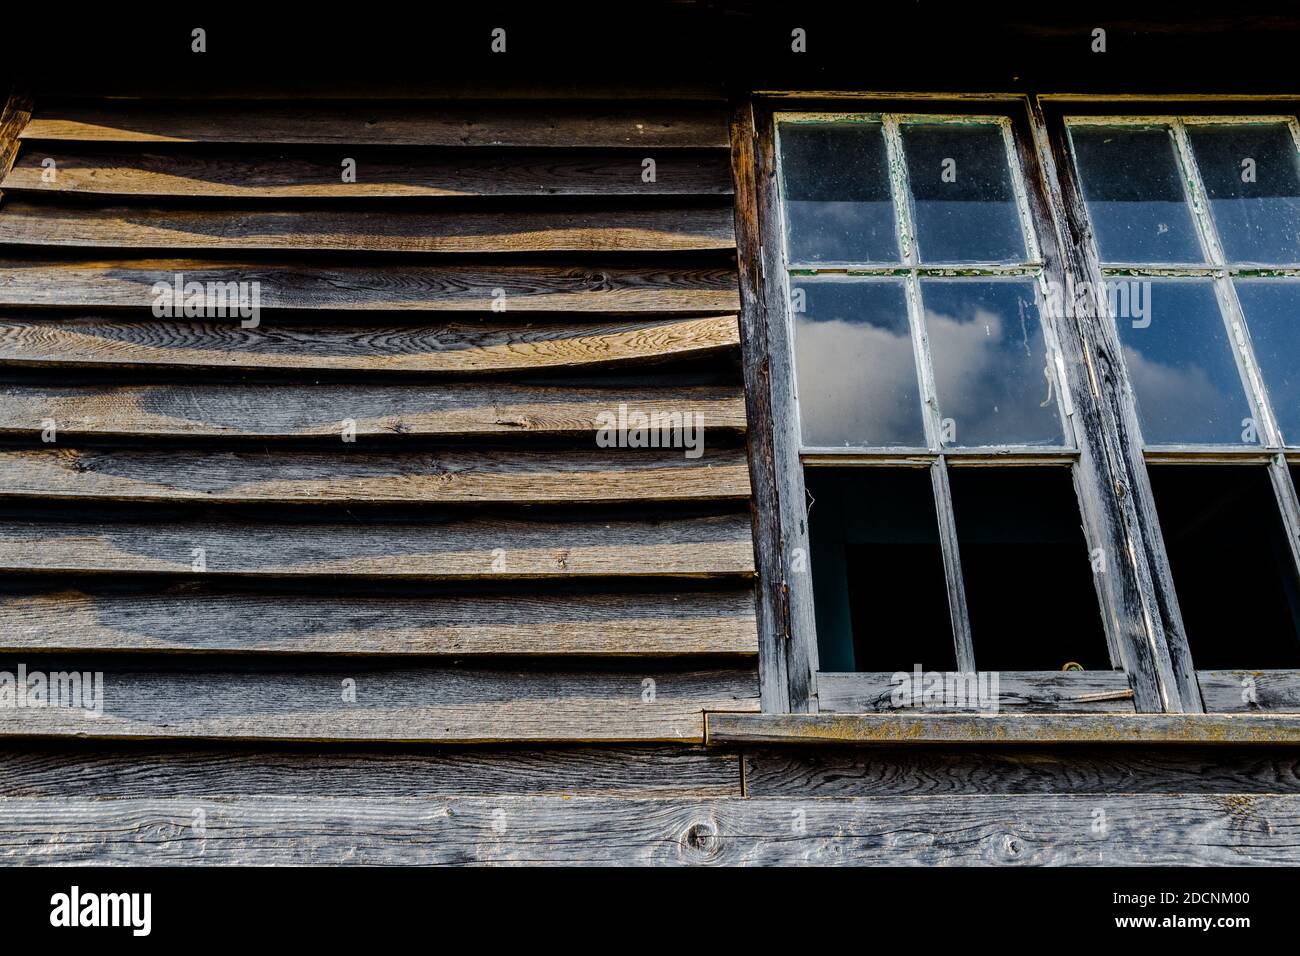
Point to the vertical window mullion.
(961, 633)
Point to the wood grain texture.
(904, 770)
(472, 549)
(662, 229)
(1005, 729)
(450, 704)
(371, 124)
(1250, 691)
(146, 769)
(281, 411)
(452, 348)
(908, 831)
(599, 475)
(1027, 691)
(15, 113)
(257, 175)
(456, 288)
(179, 621)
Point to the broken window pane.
(881, 600)
(963, 203)
(1232, 566)
(838, 205)
(1133, 186)
(990, 365)
(855, 373)
(1182, 369)
(1272, 310)
(1028, 573)
(1252, 180)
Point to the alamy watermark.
(72, 690)
(179, 299)
(947, 690)
(657, 429)
(1121, 298)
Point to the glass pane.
(881, 599)
(1272, 310)
(1029, 589)
(838, 207)
(1134, 190)
(1252, 178)
(963, 203)
(1182, 369)
(990, 365)
(1232, 565)
(854, 369)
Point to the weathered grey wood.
(992, 831)
(451, 704)
(457, 288)
(1016, 691)
(1249, 690)
(409, 124)
(248, 175)
(903, 770)
(181, 621)
(1004, 728)
(98, 769)
(478, 549)
(281, 411)
(958, 614)
(407, 229)
(15, 113)
(599, 475)
(457, 348)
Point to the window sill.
(862, 729)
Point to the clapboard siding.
(317, 175)
(306, 409)
(453, 348)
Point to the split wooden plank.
(518, 624)
(452, 348)
(662, 229)
(15, 113)
(406, 703)
(481, 287)
(516, 476)
(282, 411)
(486, 549)
(1025, 691)
(368, 124)
(1250, 691)
(1039, 829)
(246, 175)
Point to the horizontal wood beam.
(1022, 691)
(742, 728)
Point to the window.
(1036, 402)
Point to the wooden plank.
(1139, 830)
(143, 769)
(454, 475)
(453, 348)
(15, 114)
(518, 624)
(248, 175)
(469, 549)
(482, 287)
(406, 703)
(904, 770)
(1022, 691)
(659, 229)
(281, 411)
(409, 124)
(1250, 691)
(1005, 728)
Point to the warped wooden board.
(272, 411)
(410, 124)
(456, 347)
(470, 549)
(1026, 691)
(1250, 691)
(407, 703)
(165, 769)
(521, 476)
(457, 288)
(319, 175)
(662, 229)
(646, 624)
(1040, 829)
